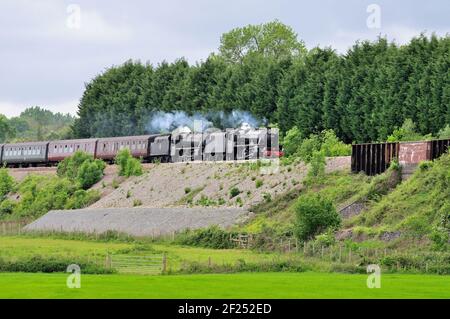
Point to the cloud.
(54, 20)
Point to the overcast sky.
(46, 56)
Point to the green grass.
(14, 247)
(248, 285)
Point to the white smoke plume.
(164, 122)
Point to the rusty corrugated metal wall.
(373, 159)
(439, 147)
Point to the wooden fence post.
(164, 263)
(108, 261)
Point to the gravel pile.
(137, 221)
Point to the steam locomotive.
(182, 145)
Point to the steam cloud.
(164, 122)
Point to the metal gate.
(134, 264)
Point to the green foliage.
(82, 168)
(326, 239)
(332, 146)
(6, 130)
(6, 183)
(292, 141)
(417, 206)
(137, 202)
(317, 169)
(407, 132)
(326, 142)
(234, 191)
(259, 183)
(7, 207)
(314, 215)
(425, 165)
(38, 264)
(273, 39)
(37, 124)
(128, 165)
(444, 133)
(211, 237)
(82, 198)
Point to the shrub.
(425, 165)
(445, 132)
(267, 197)
(6, 183)
(234, 191)
(332, 146)
(326, 239)
(308, 147)
(82, 198)
(137, 202)
(90, 173)
(314, 215)
(82, 168)
(128, 165)
(7, 207)
(259, 183)
(407, 132)
(187, 190)
(440, 238)
(211, 237)
(318, 162)
(50, 264)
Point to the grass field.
(244, 285)
(13, 247)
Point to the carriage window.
(71, 148)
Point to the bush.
(407, 133)
(211, 237)
(82, 198)
(82, 168)
(308, 147)
(128, 165)
(259, 183)
(6, 183)
(314, 215)
(332, 146)
(425, 165)
(318, 163)
(7, 207)
(445, 132)
(49, 265)
(137, 202)
(234, 192)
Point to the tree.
(6, 130)
(82, 168)
(273, 39)
(314, 215)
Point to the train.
(182, 145)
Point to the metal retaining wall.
(373, 159)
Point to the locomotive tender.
(179, 146)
